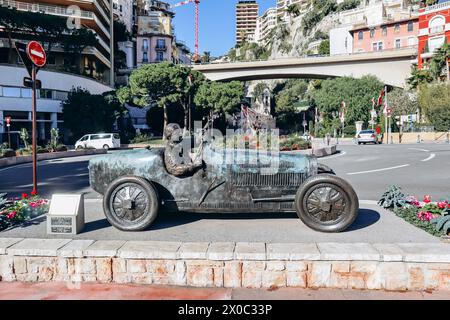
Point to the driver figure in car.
(178, 161)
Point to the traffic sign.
(36, 53)
(28, 83)
(8, 120)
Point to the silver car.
(367, 136)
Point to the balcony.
(161, 48)
(437, 29)
(48, 9)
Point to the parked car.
(99, 141)
(136, 186)
(367, 136)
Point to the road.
(419, 169)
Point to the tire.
(310, 197)
(359, 143)
(133, 212)
(106, 147)
(79, 147)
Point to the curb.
(402, 266)
(11, 161)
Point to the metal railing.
(438, 6)
(48, 9)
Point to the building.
(154, 32)
(264, 25)
(387, 23)
(387, 36)
(90, 69)
(95, 15)
(434, 30)
(246, 19)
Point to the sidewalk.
(63, 291)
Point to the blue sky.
(216, 21)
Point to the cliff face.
(290, 41)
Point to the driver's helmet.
(172, 132)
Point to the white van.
(99, 141)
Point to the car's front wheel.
(131, 203)
(326, 203)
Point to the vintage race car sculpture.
(136, 186)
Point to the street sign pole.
(34, 138)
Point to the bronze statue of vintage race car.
(138, 184)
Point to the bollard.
(448, 137)
(392, 139)
(418, 138)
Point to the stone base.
(251, 265)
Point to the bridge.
(391, 67)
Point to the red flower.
(11, 215)
(34, 192)
(24, 196)
(427, 199)
(442, 204)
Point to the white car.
(99, 141)
(367, 136)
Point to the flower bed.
(18, 210)
(432, 217)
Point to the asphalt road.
(419, 169)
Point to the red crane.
(196, 2)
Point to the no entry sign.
(36, 54)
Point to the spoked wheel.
(326, 203)
(131, 203)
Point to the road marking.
(368, 202)
(335, 156)
(429, 158)
(424, 150)
(378, 170)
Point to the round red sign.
(8, 120)
(36, 53)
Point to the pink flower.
(11, 215)
(442, 204)
(34, 204)
(427, 199)
(425, 216)
(413, 201)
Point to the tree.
(121, 34)
(74, 45)
(324, 47)
(439, 62)
(221, 97)
(290, 95)
(418, 77)
(258, 91)
(206, 58)
(88, 113)
(163, 84)
(356, 93)
(402, 102)
(434, 101)
(293, 10)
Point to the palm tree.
(440, 62)
(293, 10)
(419, 76)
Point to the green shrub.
(409, 214)
(61, 147)
(5, 153)
(23, 152)
(442, 224)
(140, 138)
(393, 198)
(40, 149)
(294, 142)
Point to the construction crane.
(196, 2)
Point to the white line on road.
(378, 170)
(429, 158)
(424, 150)
(335, 156)
(368, 202)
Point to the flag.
(380, 97)
(373, 103)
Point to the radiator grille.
(257, 179)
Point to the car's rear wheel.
(131, 203)
(326, 203)
(106, 147)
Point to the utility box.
(66, 214)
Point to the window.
(161, 43)
(45, 94)
(84, 138)
(11, 92)
(145, 57)
(26, 93)
(411, 41)
(372, 32)
(374, 46)
(159, 56)
(360, 35)
(384, 31)
(116, 136)
(397, 43)
(380, 46)
(145, 44)
(397, 28)
(410, 26)
(437, 24)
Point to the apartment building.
(264, 25)
(247, 12)
(282, 8)
(434, 30)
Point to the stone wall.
(251, 265)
